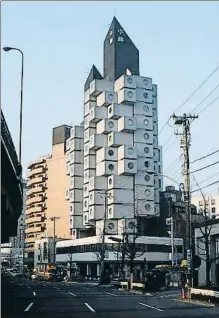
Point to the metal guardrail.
(6, 136)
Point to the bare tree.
(205, 229)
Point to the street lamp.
(7, 49)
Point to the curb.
(135, 292)
(195, 302)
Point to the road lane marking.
(20, 284)
(29, 306)
(28, 287)
(34, 293)
(72, 294)
(89, 307)
(158, 309)
(111, 294)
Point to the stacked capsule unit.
(119, 153)
(75, 162)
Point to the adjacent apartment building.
(46, 184)
(113, 158)
(210, 204)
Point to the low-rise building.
(208, 232)
(211, 204)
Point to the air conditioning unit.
(126, 96)
(124, 82)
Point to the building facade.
(213, 239)
(113, 157)
(212, 205)
(46, 184)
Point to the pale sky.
(179, 48)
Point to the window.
(213, 210)
(213, 201)
(200, 203)
(120, 39)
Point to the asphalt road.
(33, 299)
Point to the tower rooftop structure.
(120, 53)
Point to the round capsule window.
(130, 151)
(145, 82)
(145, 95)
(111, 167)
(129, 80)
(147, 207)
(146, 122)
(147, 178)
(130, 165)
(111, 226)
(130, 122)
(146, 149)
(146, 136)
(130, 94)
(111, 124)
(110, 152)
(147, 164)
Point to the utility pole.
(185, 122)
(54, 218)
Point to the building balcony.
(34, 219)
(40, 161)
(34, 229)
(36, 180)
(33, 172)
(34, 190)
(34, 209)
(36, 199)
(30, 240)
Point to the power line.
(209, 185)
(190, 96)
(215, 174)
(201, 111)
(205, 167)
(170, 145)
(210, 154)
(205, 98)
